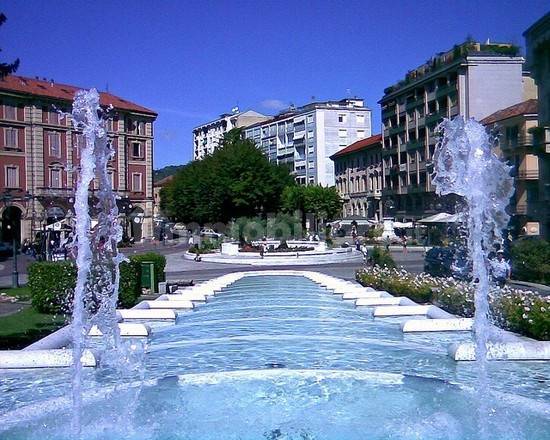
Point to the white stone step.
(373, 302)
(43, 358)
(147, 314)
(511, 351)
(173, 304)
(126, 329)
(358, 295)
(401, 310)
(437, 325)
(189, 296)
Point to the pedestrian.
(365, 252)
(387, 242)
(500, 269)
(404, 243)
(262, 250)
(357, 245)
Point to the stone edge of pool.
(51, 351)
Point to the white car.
(210, 233)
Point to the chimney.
(51, 83)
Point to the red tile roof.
(529, 107)
(362, 144)
(30, 86)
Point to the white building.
(306, 137)
(207, 137)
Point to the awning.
(349, 221)
(403, 225)
(442, 217)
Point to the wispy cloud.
(274, 104)
(184, 113)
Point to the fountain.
(465, 164)
(97, 259)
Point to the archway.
(136, 223)
(11, 224)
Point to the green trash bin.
(148, 276)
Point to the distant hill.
(165, 172)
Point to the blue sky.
(191, 61)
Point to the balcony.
(411, 124)
(445, 90)
(395, 130)
(527, 175)
(433, 117)
(421, 121)
(454, 110)
(389, 191)
(388, 113)
(520, 209)
(412, 167)
(403, 168)
(411, 145)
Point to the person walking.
(500, 269)
(404, 243)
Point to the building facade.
(516, 145)
(472, 80)
(304, 138)
(207, 137)
(537, 39)
(358, 175)
(39, 154)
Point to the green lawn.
(23, 328)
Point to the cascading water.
(97, 258)
(465, 164)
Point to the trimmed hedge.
(531, 261)
(52, 283)
(382, 257)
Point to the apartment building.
(207, 137)
(537, 39)
(515, 126)
(39, 153)
(472, 80)
(305, 137)
(358, 175)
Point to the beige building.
(472, 80)
(358, 176)
(515, 126)
(537, 39)
(39, 158)
(207, 137)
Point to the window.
(11, 138)
(141, 128)
(53, 117)
(360, 134)
(360, 119)
(10, 112)
(111, 178)
(342, 118)
(136, 182)
(310, 134)
(55, 178)
(311, 164)
(311, 180)
(309, 119)
(12, 176)
(136, 149)
(80, 141)
(342, 132)
(55, 144)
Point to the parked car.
(448, 262)
(210, 233)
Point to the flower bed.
(521, 311)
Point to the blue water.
(278, 357)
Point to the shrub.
(381, 257)
(531, 261)
(52, 285)
(520, 311)
(157, 259)
(129, 288)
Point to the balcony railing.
(388, 113)
(445, 90)
(433, 117)
(395, 130)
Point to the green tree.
(323, 202)
(237, 180)
(7, 68)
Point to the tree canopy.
(237, 180)
(324, 202)
(7, 68)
